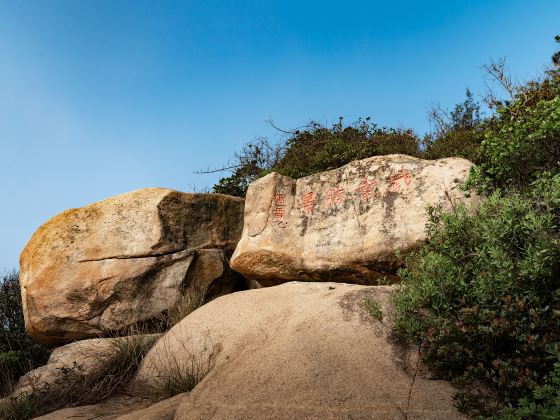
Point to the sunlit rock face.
(299, 350)
(352, 224)
(110, 264)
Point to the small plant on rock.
(374, 308)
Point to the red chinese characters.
(366, 188)
(308, 201)
(400, 180)
(278, 210)
(336, 196)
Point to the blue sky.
(103, 97)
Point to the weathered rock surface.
(346, 224)
(125, 259)
(299, 350)
(87, 358)
(112, 408)
(163, 410)
(122, 407)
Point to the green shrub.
(517, 149)
(464, 143)
(457, 133)
(482, 295)
(254, 160)
(544, 402)
(522, 139)
(18, 352)
(315, 149)
(319, 149)
(374, 308)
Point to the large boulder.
(353, 224)
(126, 259)
(298, 350)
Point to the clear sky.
(103, 97)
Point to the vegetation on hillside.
(316, 148)
(18, 352)
(482, 297)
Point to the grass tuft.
(374, 308)
(73, 388)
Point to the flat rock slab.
(112, 408)
(102, 267)
(346, 224)
(296, 351)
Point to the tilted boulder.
(296, 351)
(352, 224)
(126, 259)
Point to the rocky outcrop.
(83, 361)
(351, 224)
(126, 259)
(298, 350)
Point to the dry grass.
(72, 387)
(192, 299)
(184, 378)
(184, 367)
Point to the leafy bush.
(482, 295)
(254, 160)
(464, 143)
(523, 138)
(315, 149)
(544, 402)
(18, 352)
(516, 150)
(455, 134)
(319, 149)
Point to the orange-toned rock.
(125, 259)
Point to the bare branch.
(213, 171)
(197, 188)
(438, 119)
(497, 72)
(290, 132)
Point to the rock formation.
(298, 350)
(346, 224)
(313, 348)
(126, 259)
(80, 361)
